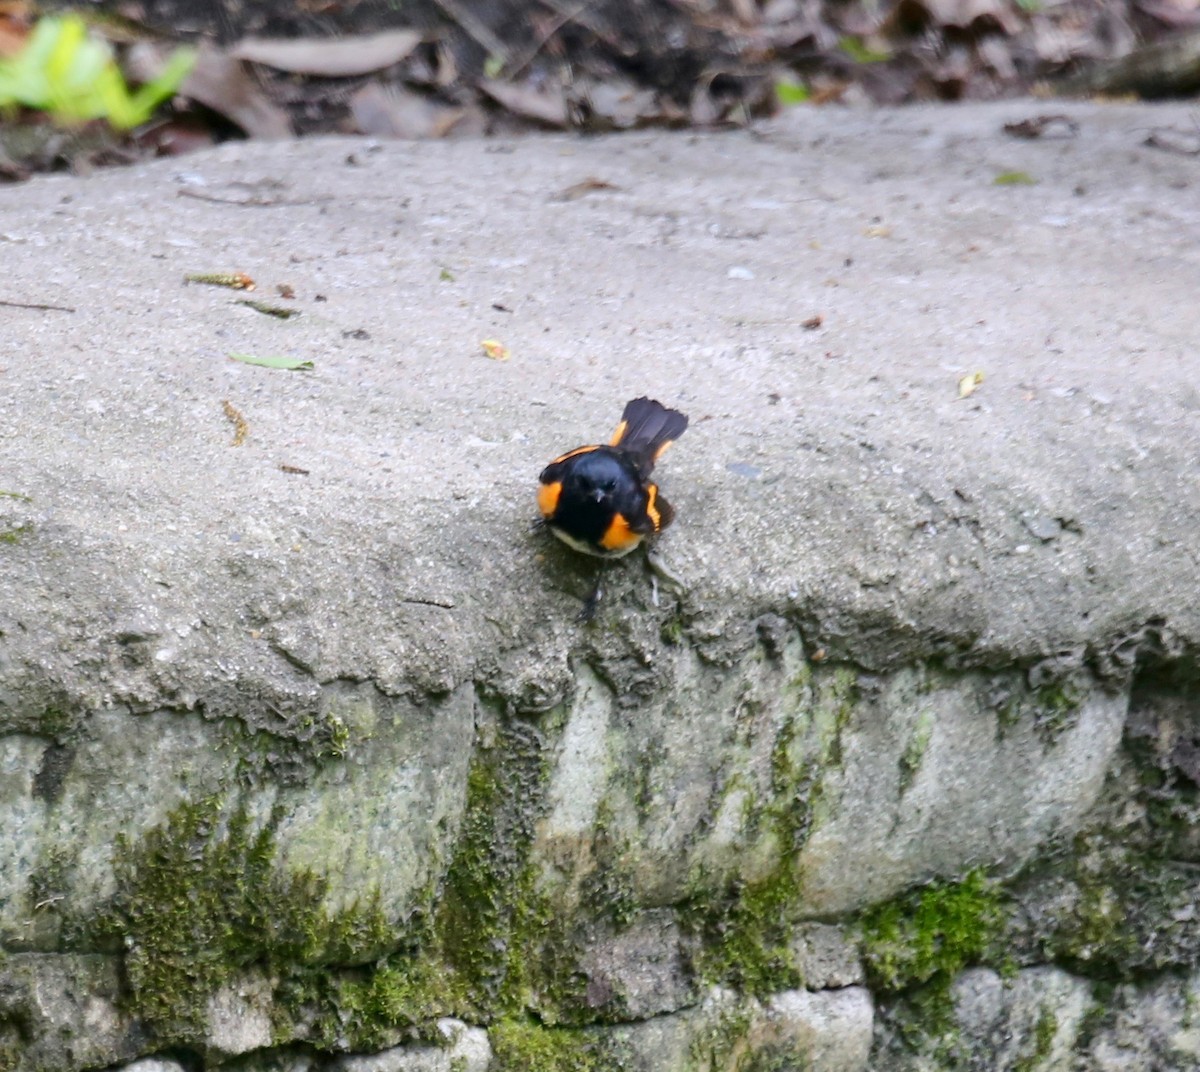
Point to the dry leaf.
(496, 350)
(878, 231)
(396, 112)
(968, 384)
(240, 428)
(1062, 126)
(338, 57)
(220, 82)
(584, 187)
(622, 103)
(547, 106)
(812, 323)
(1185, 143)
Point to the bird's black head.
(595, 477)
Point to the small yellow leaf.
(496, 350)
(233, 280)
(877, 231)
(1014, 178)
(967, 385)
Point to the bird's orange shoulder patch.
(619, 536)
(548, 496)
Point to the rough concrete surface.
(833, 473)
(893, 635)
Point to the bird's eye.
(610, 485)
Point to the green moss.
(526, 1046)
(15, 533)
(837, 696)
(671, 630)
(1053, 708)
(1008, 715)
(509, 946)
(746, 929)
(932, 934)
(59, 724)
(1056, 709)
(49, 881)
(202, 899)
(777, 1057)
(1191, 1008)
(746, 934)
(488, 885)
(1096, 932)
(1044, 1032)
(608, 889)
(651, 756)
(722, 1043)
(13, 1047)
(801, 679)
(400, 998)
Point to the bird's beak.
(598, 494)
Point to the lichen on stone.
(914, 750)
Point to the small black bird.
(600, 499)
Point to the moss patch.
(746, 930)
(1052, 708)
(746, 935)
(722, 1039)
(398, 999)
(1043, 1043)
(201, 900)
(526, 1046)
(608, 890)
(505, 942)
(12, 534)
(1056, 709)
(932, 934)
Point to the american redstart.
(599, 499)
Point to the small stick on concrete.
(37, 305)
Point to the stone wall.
(768, 860)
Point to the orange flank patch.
(619, 536)
(548, 496)
(663, 449)
(652, 507)
(616, 439)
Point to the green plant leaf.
(73, 77)
(789, 93)
(1014, 178)
(276, 361)
(861, 53)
